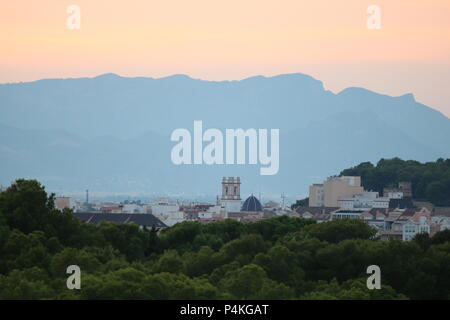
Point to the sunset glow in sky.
(234, 39)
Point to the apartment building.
(334, 188)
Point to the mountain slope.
(112, 134)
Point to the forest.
(430, 180)
(276, 258)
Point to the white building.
(172, 218)
(167, 212)
(442, 223)
(394, 194)
(366, 200)
(163, 207)
(218, 211)
(133, 208)
(346, 214)
(411, 228)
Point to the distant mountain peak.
(108, 76)
(178, 76)
(359, 91)
(296, 75)
(408, 96)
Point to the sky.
(235, 39)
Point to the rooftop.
(251, 204)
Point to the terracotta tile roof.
(408, 212)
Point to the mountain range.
(111, 134)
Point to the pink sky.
(234, 39)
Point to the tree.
(300, 203)
(281, 265)
(340, 229)
(274, 228)
(179, 287)
(26, 206)
(438, 192)
(32, 283)
(4, 230)
(354, 289)
(127, 238)
(201, 262)
(430, 181)
(170, 261)
(272, 290)
(24, 251)
(64, 226)
(124, 284)
(72, 256)
(243, 249)
(181, 235)
(277, 258)
(441, 237)
(423, 240)
(245, 282)
(207, 239)
(227, 230)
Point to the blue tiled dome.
(251, 204)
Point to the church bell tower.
(231, 194)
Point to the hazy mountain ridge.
(113, 133)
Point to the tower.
(231, 188)
(231, 194)
(283, 197)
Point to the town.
(394, 214)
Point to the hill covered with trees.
(277, 258)
(430, 180)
